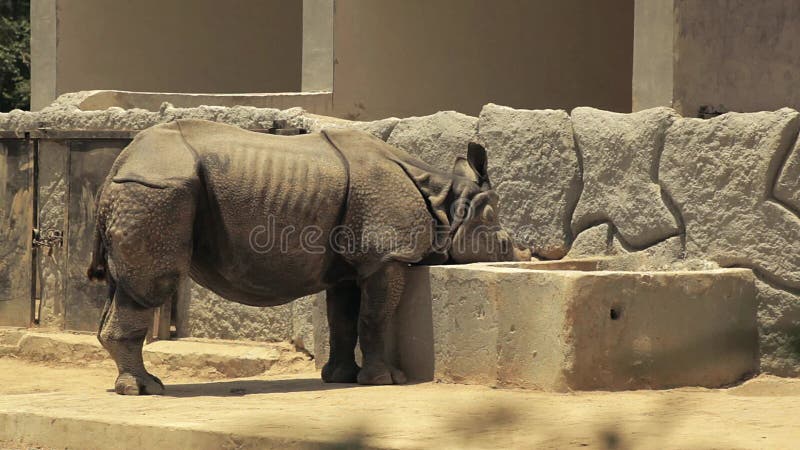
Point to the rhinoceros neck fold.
(343, 209)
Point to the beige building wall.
(414, 57)
(742, 54)
(735, 55)
(170, 46)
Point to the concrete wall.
(174, 46)
(734, 55)
(416, 57)
(742, 54)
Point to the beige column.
(653, 53)
(43, 52)
(317, 73)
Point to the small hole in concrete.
(615, 313)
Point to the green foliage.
(15, 54)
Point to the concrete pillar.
(653, 35)
(317, 45)
(43, 53)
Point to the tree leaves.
(15, 55)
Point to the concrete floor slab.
(73, 407)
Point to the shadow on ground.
(239, 388)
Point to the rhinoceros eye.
(488, 214)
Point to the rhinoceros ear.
(476, 156)
(462, 168)
(475, 166)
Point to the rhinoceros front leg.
(123, 328)
(380, 294)
(343, 302)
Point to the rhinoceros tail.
(98, 268)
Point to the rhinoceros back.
(268, 206)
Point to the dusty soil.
(762, 413)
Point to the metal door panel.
(16, 224)
(52, 180)
(89, 163)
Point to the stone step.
(11, 335)
(229, 359)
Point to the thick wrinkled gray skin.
(262, 220)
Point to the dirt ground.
(299, 409)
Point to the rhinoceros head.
(475, 215)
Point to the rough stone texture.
(572, 330)
(10, 338)
(229, 359)
(317, 102)
(210, 316)
(314, 123)
(720, 173)
(620, 154)
(665, 255)
(594, 241)
(60, 347)
(534, 168)
(69, 117)
(601, 240)
(319, 318)
(779, 330)
(65, 113)
(303, 323)
(787, 189)
(506, 325)
(218, 358)
(436, 139)
(53, 160)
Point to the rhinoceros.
(263, 219)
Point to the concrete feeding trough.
(575, 325)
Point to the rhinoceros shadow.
(238, 388)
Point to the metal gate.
(71, 165)
(89, 163)
(16, 223)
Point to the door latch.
(48, 238)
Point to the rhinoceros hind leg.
(343, 302)
(380, 294)
(123, 328)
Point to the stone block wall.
(653, 185)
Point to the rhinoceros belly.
(265, 216)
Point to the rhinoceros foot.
(340, 372)
(128, 384)
(381, 374)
